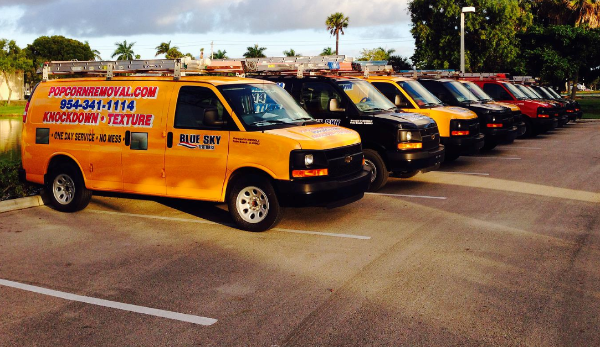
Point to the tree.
(12, 59)
(173, 53)
(568, 12)
(220, 54)
(399, 63)
(163, 48)
(375, 54)
(94, 51)
(291, 53)
(327, 51)
(491, 34)
(560, 52)
(124, 51)
(336, 23)
(54, 48)
(255, 52)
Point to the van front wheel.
(253, 204)
(67, 189)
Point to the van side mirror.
(211, 117)
(334, 106)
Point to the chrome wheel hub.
(252, 204)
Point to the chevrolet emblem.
(348, 159)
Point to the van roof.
(390, 78)
(214, 80)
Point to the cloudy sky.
(190, 25)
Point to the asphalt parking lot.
(498, 249)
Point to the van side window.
(316, 96)
(193, 103)
(393, 94)
(496, 91)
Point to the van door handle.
(169, 139)
(127, 138)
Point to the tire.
(67, 189)
(529, 130)
(450, 157)
(489, 145)
(253, 204)
(379, 173)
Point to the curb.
(21, 203)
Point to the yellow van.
(458, 127)
(223, 139)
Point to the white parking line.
(511, 147)
(111, 304)
(498, 157)
(410, 196)
(201, 221)
(465, 173)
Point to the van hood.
(455, 112)
(480, 108)
(319, 136)
(505, 104)
(406, 120)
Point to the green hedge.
(10, 187)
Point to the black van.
(402, 144)
(496, 122)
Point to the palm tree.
(585, 12)
(327, 51)
(255, 52)
(124, 51)
(94, 51)
(336, 24)
(173, 53)
(163, 48)
(291, 53)
(220, 54)
(387, 53)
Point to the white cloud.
(97, 18)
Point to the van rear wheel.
(67, 189)
(253, 204)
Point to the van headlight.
(308, 159)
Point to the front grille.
(430, 137)
(338, 161)
(473, 127)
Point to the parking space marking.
(359, 237)
(465, 173)
(111, 304)
(200, 221)
(501, 158)
(535, 148)
(409, 196)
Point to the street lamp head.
(468, 9)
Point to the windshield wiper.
(272, 121)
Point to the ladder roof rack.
(240, 67)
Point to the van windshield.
(526, 91)
(515, 91)
(478, 92)
(264, 105)
(365, 96)
(460, 92)
(419, 94)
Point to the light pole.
(462, 36)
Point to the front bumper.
(464, 145)
(502, 135)
(423, 160)
(325, 191)
(545, 124)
